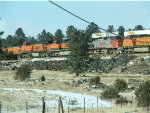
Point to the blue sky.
(34, 16)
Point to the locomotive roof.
(139, 32)
(98, 35)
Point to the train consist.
(39, 50)
(111, 43)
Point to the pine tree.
(79, 51)
(58, 36)
(91, 28)
(138, 27)
(121, 30)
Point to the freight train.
(111, 43)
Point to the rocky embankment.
(123, 63)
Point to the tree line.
(20, 38)
(45, 37)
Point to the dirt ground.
(12, 101)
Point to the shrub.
(143, 94)
(7, 56)
(95, 80)
(131, 81)
(121, 100)
(23, 72)
(120, 85)
(42, 78)
(110, 93)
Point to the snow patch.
(66, 96)
(51, 59)
(146, 57)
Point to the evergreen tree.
(45, 37)
(79, 51)
(129, 29)
(2, 57)
(9, 42)
(17, 40)
(121, 30)
(19, 37)
(19, 32)
(49, 37)
(69, 31)
(31, 40)
(1, 46)
(92, 28)
(110, 28)
(138, 27)
(1, 33)
(58, 36)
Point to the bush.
(23, 72)
(110, 93)
(7, 56)
(121, 100)
(95, 80)
(120, 85)
(42, 78)
(132, 81)
(143, 94)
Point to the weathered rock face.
(8, 65)
(106, 65)
(139, 66)
(35, 64)
(122, 64)
(48, 65)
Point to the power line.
(78, 16)
(69, 12)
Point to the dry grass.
(60, 80)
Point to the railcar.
(135, 40)
(105, 41)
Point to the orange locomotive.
(37, 50)
(136, 39)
